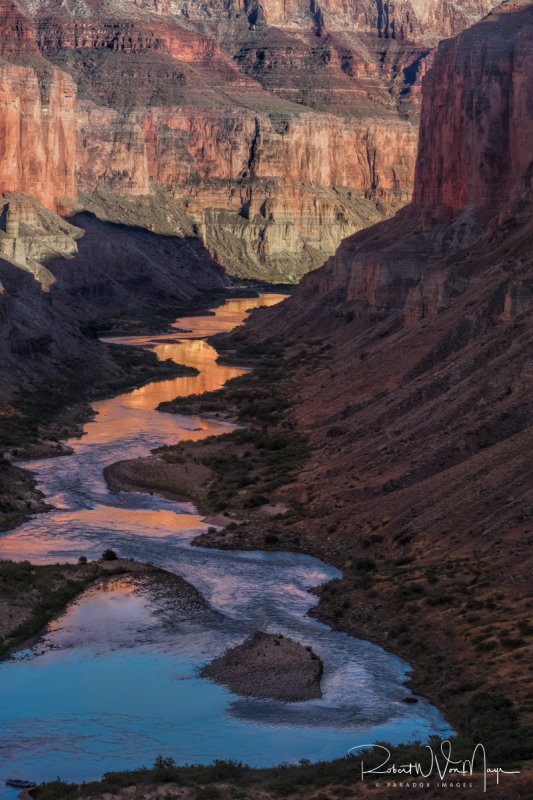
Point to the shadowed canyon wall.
(273, 130)
(95, 271)
(418, 408)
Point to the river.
(112, 684)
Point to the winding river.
(113, 682)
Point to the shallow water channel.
(114, 681)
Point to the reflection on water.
(193, 351)
(114, 681)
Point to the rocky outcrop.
(477, 106)
(16, 31)
(268, 665)
(32, 237)
(41, 337)
(472, 187)
(274, 130)
(38, 133)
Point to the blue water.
(114, 682)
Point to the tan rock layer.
(258, 115)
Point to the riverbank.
(241, 475)
(268, 665)
(31, 596)
(34, 424)
(420, 602)
(327, 780)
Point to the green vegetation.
(248, 464)
(284, 780)
(40, 592)
(38, 415)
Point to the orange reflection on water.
(117, 417)
(72, 526)
(189, 348)
(160, 523)
(225, 317)
(193, 353)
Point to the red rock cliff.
(38, 133)
(476, 130)
(271, 130)
(37, 116)
(473, 182)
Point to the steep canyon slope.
(420, 417)
(46, 334)
(271, 130)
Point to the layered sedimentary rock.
(473, 180)
(274, 129)
(419, 409)
(32, 237)
(38, 133)
(250, 185)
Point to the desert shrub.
(365, 564)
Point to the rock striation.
(472, 187)
(418, 410)
(38, 133)
(274, 130)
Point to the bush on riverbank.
(303, 779)
(38, 593)
(248, 464)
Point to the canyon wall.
(477, 108)
(37, 133)
(416, 383)
(472, 184)
(95, 271)
(274, 130)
